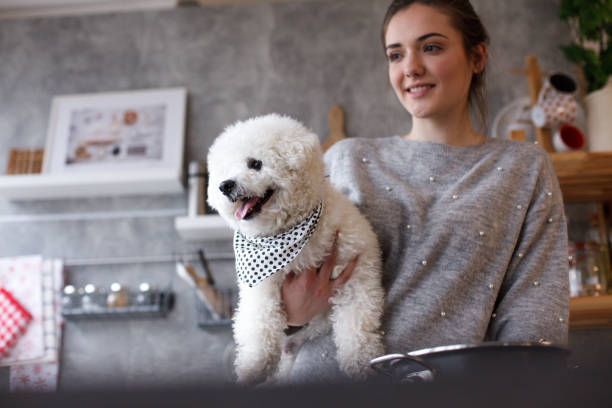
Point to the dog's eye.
(254, 164)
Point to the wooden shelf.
(584, 176)
(591, 312)
(203, 228)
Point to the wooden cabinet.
(590, 312)
(584, 176)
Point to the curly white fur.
(292, 167)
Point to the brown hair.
(465, 20)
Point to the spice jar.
(70, 297)
(118, 296)
(93, 298)
(145, 295)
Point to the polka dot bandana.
(258, 258)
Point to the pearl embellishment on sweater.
(388, 188)
(443, 313)
(432, 179)
(424, 263)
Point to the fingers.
(346, 273)
(328, 265)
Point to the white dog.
(266, 179)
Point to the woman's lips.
(419, 90)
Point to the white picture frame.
(116, 133)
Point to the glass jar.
(145, 295)
(93, 298)
(118, 296)
(70, 298)
(587, 274)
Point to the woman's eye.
(393, 56)
(254, 164)
(431, 48)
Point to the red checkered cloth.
(13, 321)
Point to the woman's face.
(428, 67)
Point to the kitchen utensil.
(205, 292)
(207, 271)
(488, 359)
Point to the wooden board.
(335, 122)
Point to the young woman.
(472, 230)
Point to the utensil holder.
(206, 319)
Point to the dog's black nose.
(227, 187)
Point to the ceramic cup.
(568, 138)
(556, 103)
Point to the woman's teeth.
(419, 88)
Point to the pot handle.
(384, 365)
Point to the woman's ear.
(479, 58)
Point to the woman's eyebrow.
(419, 39)
(426, 36)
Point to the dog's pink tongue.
(244, 208)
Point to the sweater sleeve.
(533, 302)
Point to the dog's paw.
(253, 367)
(354, 359)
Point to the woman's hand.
(307, 295)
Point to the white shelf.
(203, 228)
(85, 184)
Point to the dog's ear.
(304, 149)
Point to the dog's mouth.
(251, 206)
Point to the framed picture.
(116, 132)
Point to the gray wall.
(236, 62)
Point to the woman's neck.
(456, 131)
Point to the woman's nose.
(413, 67)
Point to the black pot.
(488, 360)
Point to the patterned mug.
(556, 103)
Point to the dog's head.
(265, 174)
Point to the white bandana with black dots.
(258, 258)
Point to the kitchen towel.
(14, 320)
(23, 278)
(43, 375)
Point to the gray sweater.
(474, 243)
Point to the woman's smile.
(419, 90)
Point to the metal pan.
(489, 359)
